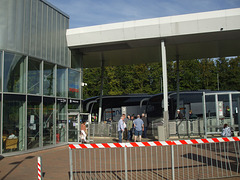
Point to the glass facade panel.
(48, 121)
(73, 83)
(48, 79)
(73, 128)
(14, 73)
(13, 123)
(61, 126)
(33, 117)
(34, 80)
(73, 104)
(0, 71)
(61, 81)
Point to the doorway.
(74, 125)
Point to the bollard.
(39, 168)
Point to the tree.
(92, 78)
(208, 74)
(147, 78)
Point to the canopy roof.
(190, 36)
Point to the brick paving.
(56, 163)
(23, 167)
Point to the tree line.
(213, 74)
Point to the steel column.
(101, 91)
(165, 86)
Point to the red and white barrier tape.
(39, 168)
(154, 143)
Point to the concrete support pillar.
(81, 82)
(165, 87)
(178, 99)
(101, 92)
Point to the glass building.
(39, 85)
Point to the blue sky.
(94, 12)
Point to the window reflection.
(0, 70)
(48, 105)
(61, 81)
(13, 123)
(34, 76)
(73, 83)
(61, 120)
(33, 114)
(48, 79)
(14, 70)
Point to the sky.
(96, 12)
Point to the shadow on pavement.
(17, 163)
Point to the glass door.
(73, 127)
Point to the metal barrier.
(182, 159)
(103, 130)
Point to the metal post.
(165, 86)
(238, 108)
(204, 115)
(101, 92)
(178, 99)
(217, 111)
(39, 168)
(231, 110)
(125, 161)
(71, 164)
(172, 154)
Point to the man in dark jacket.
(179, 114)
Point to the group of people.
(132, 126)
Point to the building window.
(14, 73)
(61, 127)
(48, 79)
(13, 123)
(33, 118)
(34, 80)
(73, 83)
(61, 81)
(48, 120)
(0, 70)
(73, 104)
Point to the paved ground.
(56, 163)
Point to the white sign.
(220, 108)
(32, 119)
(124, 110)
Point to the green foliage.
(147, 78)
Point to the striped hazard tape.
(154, 143)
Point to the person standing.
(120, 129)
(179, 114)
(138, 126)
(83, 132)
(125, 127)
(226, 132)
(144, 118)
(191, 115)
(130, 128)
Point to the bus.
(189, 100)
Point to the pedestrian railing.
(103, 130)
(182, 159)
